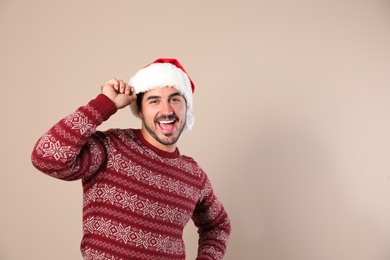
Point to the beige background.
(291, 106)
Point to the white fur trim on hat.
(160, 75)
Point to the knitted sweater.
(137, 198)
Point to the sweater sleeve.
(71, 150)
(213, 225)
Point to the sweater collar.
(159, 152)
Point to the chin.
(169, 139)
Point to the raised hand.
(119, 92)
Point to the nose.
(166, 108)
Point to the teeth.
(166, 122)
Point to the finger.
(129, 90)
(113, 83)
(121, 86)
(134, 97)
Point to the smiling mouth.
(167, 125)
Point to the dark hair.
(140, 96)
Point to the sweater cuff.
(104, 105)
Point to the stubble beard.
(158, 139)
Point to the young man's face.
(163, 115)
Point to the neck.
(150, 139)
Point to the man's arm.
(213, 226)
(69, 150)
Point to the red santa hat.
(164, 72)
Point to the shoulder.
(129, 133)
(188, 158)
(116, 135)
(189, 165)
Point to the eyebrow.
(170, 96)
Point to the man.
(139, 191)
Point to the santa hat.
(164, 72)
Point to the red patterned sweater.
(137, 198)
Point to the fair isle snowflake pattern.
(162, 182)
(222, 235)
(122, 233)
(212, 251)
(54, 149)
(115, 161)
(135, 203)
(96, 156)
(90, 254)
(214, 209)
(78, 121)
(133, 236)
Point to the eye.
(175, 99)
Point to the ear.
(140, 114)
